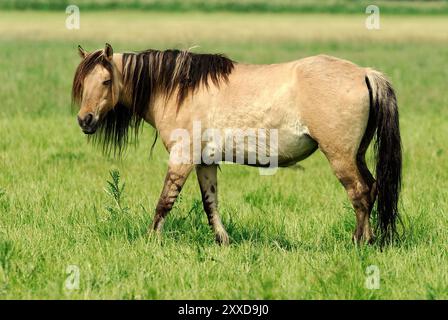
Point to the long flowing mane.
(148, 74)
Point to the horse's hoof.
(363, 239)
(222, 238)
(154, 235)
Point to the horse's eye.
(107, 82)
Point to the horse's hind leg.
(368, 177)
(207, 177)
(361, 157)
(364, 170)
(359, 192)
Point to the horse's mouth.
(89, 130)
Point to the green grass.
(290, 233)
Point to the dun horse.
(318, 102)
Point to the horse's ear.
(82, 53)
(108, 52)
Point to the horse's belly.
(294, 147)
(263, 147)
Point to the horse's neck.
(125, 97)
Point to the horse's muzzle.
(88, 123)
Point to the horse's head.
(95, 87)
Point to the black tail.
(387, 153)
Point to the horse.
(318, 102)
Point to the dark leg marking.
(207, 178)
(174, 182)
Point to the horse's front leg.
(174, 181)
(207, 177)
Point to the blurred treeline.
(292, 6)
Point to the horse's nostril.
(89, 119)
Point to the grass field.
(290, 233)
